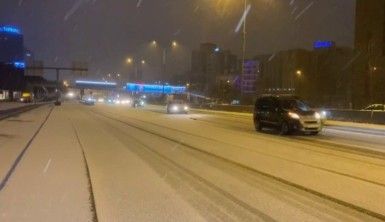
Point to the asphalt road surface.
(114, 163)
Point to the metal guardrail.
(230, 108)
(375, 117)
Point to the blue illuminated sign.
(10, 29)
(323, 44)
(156, 89)
(19, 65)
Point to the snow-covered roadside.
(15, 132)
(50, 183)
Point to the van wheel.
(285, 128)
(257, 125)
(314, 133)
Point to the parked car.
(286, 113)
(375, 107)
(177, 106)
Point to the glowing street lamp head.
(299, 73)
(143, 62)
(154, 43)
(174, 44)
(129, 60)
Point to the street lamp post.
(244, 38)
(135, 62)
(164, 55)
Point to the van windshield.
(294, 104)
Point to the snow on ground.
(266, 199)
(15, 133)
(50, 183)
(325, 171)
(125, 187)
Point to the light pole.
(244, 38)
(155, 44)
(136, 63)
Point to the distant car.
(88, 101)
(26, 97)
(375, 107)
(138, 103)
(177, 106)
(286, 113)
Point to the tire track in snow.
(281, 180)
(21, 155)
(90, 187)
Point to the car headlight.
(175, 108)
(185, 107)
(317, 115)
(293, 115)
(324, 114)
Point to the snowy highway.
(114, 163)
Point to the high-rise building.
(249, 76)
(11, 45)
(12, 63)
(370, 44)
(370, 27)
(210, 63)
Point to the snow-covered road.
(145, 165)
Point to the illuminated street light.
(188, 84)
(374, 68)
(299, 73)
(174, 44)
(118, 75)
(143, 62)
(154, 43)
(129, 60)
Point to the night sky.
(105, 32)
